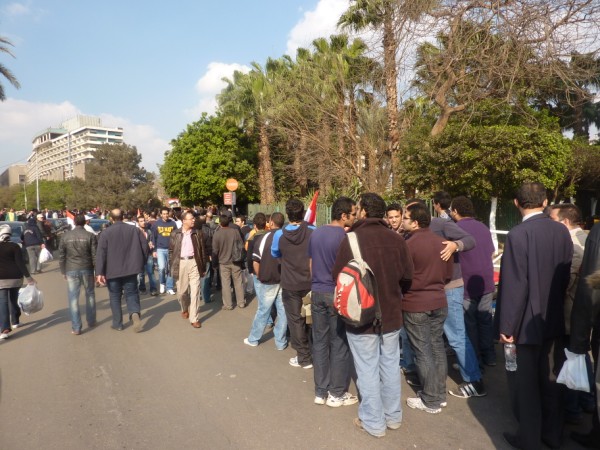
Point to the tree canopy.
(204, 156)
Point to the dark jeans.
(537, 398)
(425, 332)
(331, 354)
(292, 302)
(480, 328)
(116, 288)
(9, 308)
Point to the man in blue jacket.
(534, 276)
(161, 235)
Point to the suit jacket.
(534, 276)
(122, 251)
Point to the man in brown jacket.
(425, 308)
(187, 260)
(376, 352)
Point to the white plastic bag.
(31, 299)
(45, 256)
(574, 372)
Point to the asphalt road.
(175, 387)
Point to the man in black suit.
(534, 276)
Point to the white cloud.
(320, 22)
(211, 84)
(22, 120)
(16, 9)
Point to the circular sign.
(231, 184)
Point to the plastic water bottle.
(510, 357)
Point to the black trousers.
(299, 331)
(537, 399)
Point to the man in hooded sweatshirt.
(290, 244)
(33, 241)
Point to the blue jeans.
(116, 288)
(480, 326)
(162, 255)
(75, 280)
(149, 269)
(205, 284)
(407, 361)
(267, 294)
(376, 362)
(425, 331)
(331, 354)
(9, 308)
(454, 328)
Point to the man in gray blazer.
(122, 252)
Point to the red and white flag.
(70, 219)
(311, 212)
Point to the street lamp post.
(37, 180)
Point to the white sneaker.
(294, 362)
(345, 400)
(4, 336)
(162, 288)
(17, 325)
(247, 342)
(171, 292)
(319, 400)
(417, 403)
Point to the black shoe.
(413, 381)
(143, 291)
(587, 440)
(120, 328)
(512, 440)
(153, 293)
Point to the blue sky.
(150, 67)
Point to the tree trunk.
(265, 172)
(390, 48)
(299, 167)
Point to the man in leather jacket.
(77, 254)
(187, 260)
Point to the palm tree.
(4, 48)
(248, 101)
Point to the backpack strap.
(353, 240)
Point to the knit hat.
(5, 232)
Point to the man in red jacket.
(376, 351)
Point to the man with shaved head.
(122, 252)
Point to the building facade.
(61, 153)
(15, 174)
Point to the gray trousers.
(228, 272)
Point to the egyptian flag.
(70, 219)
(311, 212)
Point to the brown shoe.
(185, 315)
(196, 324)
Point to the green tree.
(202, 158)
(113, 179)
(4, 71)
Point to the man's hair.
(241, 217)
(224, 220)
(294, 209)
(373, 205)
(185, 213)
(116, 215)
(137, 219)
(278, 219)
(393, 207)
(419, 213)
(164, 208)
(463, 206)
(342, 205)
(442, 198)
(531, 195)
(80, 220)
(568, 211)
(260, 221)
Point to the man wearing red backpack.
(375, 349)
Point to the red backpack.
(356, 291)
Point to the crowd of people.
(435, 291)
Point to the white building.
(61, 153)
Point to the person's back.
(126, 248)
(77, 250)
